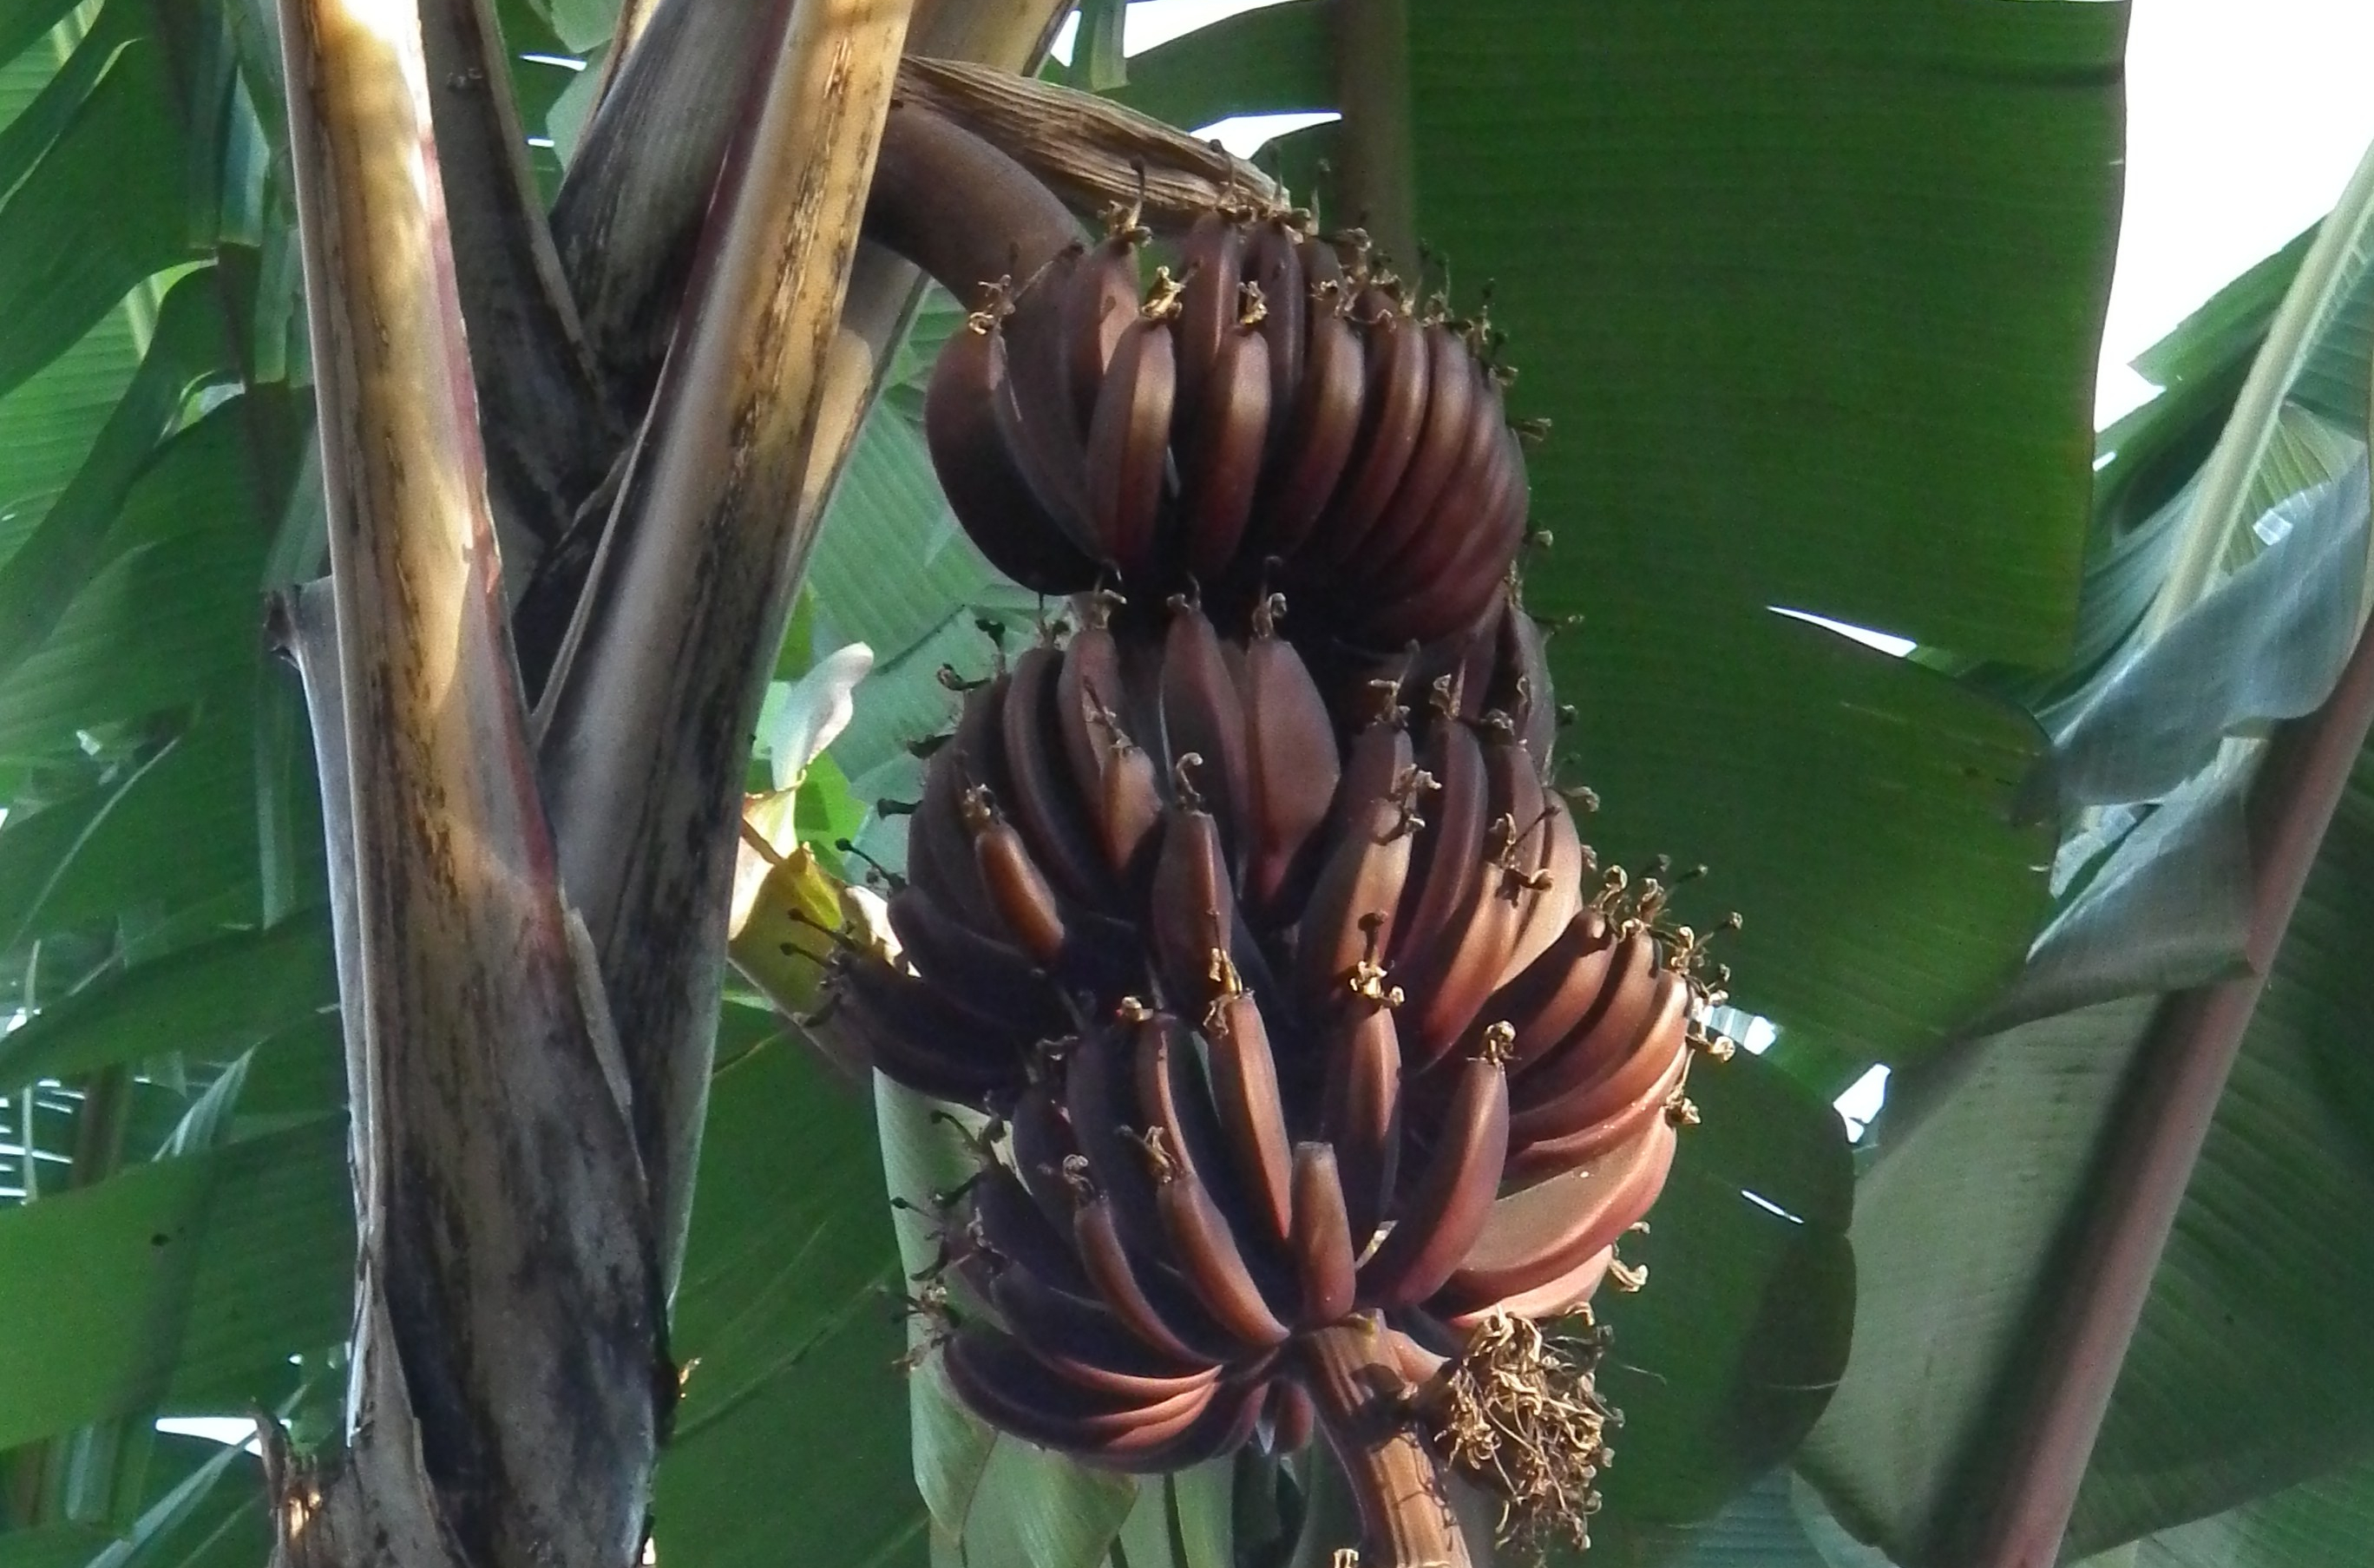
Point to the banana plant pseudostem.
(644, 397)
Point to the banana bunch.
(1290, 1015)
(1273, 416)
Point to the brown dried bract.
(1517, 1413)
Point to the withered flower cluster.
(1322, 1054)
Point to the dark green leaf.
(130, 1246)
(194, 1280)
(178, 609)
(2250, 1369)
(1865, 836)
(2248, 1372)
(188, 348)
(1812, 300)
(33, 129)
(211, 1001)
(1728, 1356)
(2325, 1523)
(786, 1314)
(1272, 60)
(172, 833)
(53, 1546)
(1953, 1228)
(100, 213)
(22, 22)
(276, 1278)
(1809, 292)
(47, 425)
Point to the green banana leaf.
(2247, 1380)
(1810, 294)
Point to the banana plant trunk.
(529, 901)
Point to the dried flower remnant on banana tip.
(1244, 905)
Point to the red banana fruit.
(1639, 1057)
(1450, 859)
(1592, 1046)
(1043, 795)
(982, 976)
(1324, 1256)
(1018, 891)
(1083, 1342)
(1392, 414)
(1099, 299)
(1449, 983)
(1011, 1388)
(1116, 775)
(1360, 1115)
(1423, 543)
(1036, 413)
(1347, 927)
(1321, 425)
(1433, 1231)
(916, 1036)
(1594, 1135)
(1011, 1222)
(1211, 263)
(1141, 1296)
(1205, 1250)
(1204, 716)
(1290, 764)
(1454, 402)
(1273, 257)
(1542, 1233)
(1043, 1148)
(1129, 441)
(1554, 1298)
(1551, 997)
(1191, 919)
(982, 478)
(1243, 1077)
(1220, 447)
(1225, 1425)
(1557, 895)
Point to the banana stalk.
(508, 1294)
(1092, 150)
(1405, 1515)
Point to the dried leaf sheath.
(649, 713)
(548, 434)
(508, 1294)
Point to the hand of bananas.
(1306, 1017)
(1269, 418)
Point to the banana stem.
(957, 208)
(1404, 1503)
(1092, 150)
